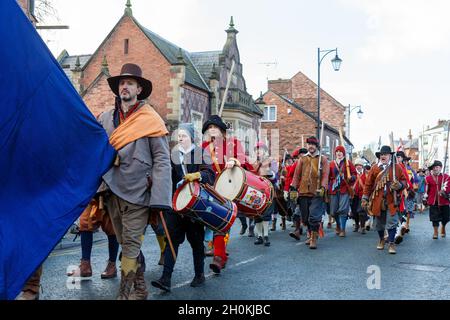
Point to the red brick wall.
(291, 127)
(303, 91)
(142, 52)
(282, 87)
(99, 98)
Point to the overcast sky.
(396, 53)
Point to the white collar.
(180, 148)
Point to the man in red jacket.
(436, 195)
(341, 178)
(359, 215)
(226, 152)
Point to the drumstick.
(167, 235)
(189, 183)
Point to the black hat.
(288, 156)
(403, 155)
(384, 150)
(436, 163)
(367, 167)
(130, 70)
(215, 120)
(303, 151)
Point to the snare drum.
(203, 204)
(253, 194)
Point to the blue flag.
(52, 151)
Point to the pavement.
(341, 268)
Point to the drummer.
(189, 163)
(265, 167)
(226, 152)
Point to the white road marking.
(209, 275)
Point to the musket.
(394, 161)
(319, 165)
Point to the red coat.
(223, 152)
(359, 184)
(432, 189)
(334, 173)
(289, 175)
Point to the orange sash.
(145, 122)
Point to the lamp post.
(336, 62)
(349, 111)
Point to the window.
(125, 46)
(270, 114)
(328, 141)
(197, 120)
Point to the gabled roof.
(204, 61)
(170, 51)
(102, 73)
(68, 62)
(312, 116)
(312, 84)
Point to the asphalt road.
(341, 268)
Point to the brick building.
(286, 125)
(303, 91)
(411, 149)
(290, 105)
(28, 8)
(187, 86)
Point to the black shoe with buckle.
(259, 240)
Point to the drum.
(203, 204)
(252, 194)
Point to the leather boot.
(266, 241)
(126, 284)
(380, 245)
(392, 248)
(435, 234)
(216, 265)
(243, 229)
(140, 287)
(198, 280)
(85, 269)
(28, 295)
(338, 229)
(296, 233)
(251, 231)
(283, 223)
(313, 243)
(110, 271)
(363, 227)
(274, 225)
(162, 283)
(308, 238)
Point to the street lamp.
(349, 111)
(336, 62)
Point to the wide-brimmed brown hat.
(131, 70)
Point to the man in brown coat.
(140, 182)
(311, 192)
(381, 195)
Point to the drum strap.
(214, 158)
